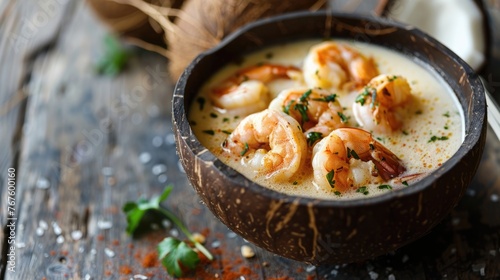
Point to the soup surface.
(430, 127)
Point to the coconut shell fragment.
(128, 21)
(202, 24)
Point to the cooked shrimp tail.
(350, 157)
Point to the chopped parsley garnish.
(405, 183)
(225, 119)
(343, 117)
(269, 55)
(312, 137)
(337, 193)
(295, 182)
(245, 150)
(447, 114)
(226, 131)
(393, 78)
(286, 108)
(363, 190)
(175, 255)
(302, 108)
(209, 132)
(384, 187)
(352, 153)
(418, 112)
(329, 178)
(201, 102)
(434, 138)
(405, 132)
(328, 98)
(213, 115)
(304, 96)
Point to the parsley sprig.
(173, 253)
(114, 59)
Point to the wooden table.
(83, 144)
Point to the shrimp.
(350, 157)
(380, 105)
(271, 142)
(333, 66)
(246, 90)
(317, 110)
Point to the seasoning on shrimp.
(350, 157)
(270, 142)
(246, 90)
(317, 110)
(333, 65)
(380, 105)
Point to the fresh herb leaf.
(405, 183)
(209, 132)
(201, 101)
(226, 131)
(213, 115)
(363, 190)
(384, 187)
(434, 138)
(393, 78)
(114, 59)
(328, 98)
(245, 149)
(304, 96)
(286, 109)
(312, 137)
(352, 153)
(173, 253)
(302, 108)
(337, 193)
(136, 210)
(329, 178)
(447, 114)
(343, 117)
(225, 119)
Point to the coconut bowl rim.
(472, 137)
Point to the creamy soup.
(431, 129)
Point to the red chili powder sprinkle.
(125, 269)
(310, 277)
(100, 237)
(52, 253)
(150, 259)
(116, 242)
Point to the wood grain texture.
(87, 137)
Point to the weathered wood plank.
(96, 142)
(22, 31)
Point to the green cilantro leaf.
(172, 252)
(136, 210)
(313, 136)
(176, 255)
(114, 59)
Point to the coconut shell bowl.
(331, 231)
